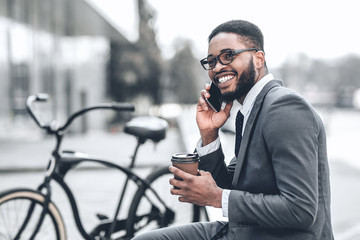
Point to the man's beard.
(245, 83)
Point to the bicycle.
(31, 214)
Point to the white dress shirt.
(245, 109)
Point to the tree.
(185, 78)
(347, 73)
(151, 53)
(135, 68)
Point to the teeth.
(225, 78)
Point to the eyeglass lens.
(224, 58)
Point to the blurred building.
(60, 47)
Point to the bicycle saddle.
(147, 127)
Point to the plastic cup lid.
(185, 157)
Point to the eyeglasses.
(224, 58)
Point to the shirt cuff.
(225, 202)
(211, 147)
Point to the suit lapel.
(249, 128)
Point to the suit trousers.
(198, 231)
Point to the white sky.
(323, 29)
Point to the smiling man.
(277, 184)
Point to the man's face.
(237, 78)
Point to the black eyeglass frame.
(217, 58)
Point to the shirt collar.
(253, 93)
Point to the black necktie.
(239, 125)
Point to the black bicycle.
(31, 214)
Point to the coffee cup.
(188, 162)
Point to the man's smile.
(226, 78)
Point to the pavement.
(21, 159)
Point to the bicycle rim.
(14, 206)
(145, 202)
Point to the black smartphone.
(215, 99)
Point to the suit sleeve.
(290, 132)
(214, 163)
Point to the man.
(277, 185)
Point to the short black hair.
(249, 33)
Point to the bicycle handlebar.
(43, 97)
(114, 106)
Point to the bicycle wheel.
(14, 208)
(147, 213)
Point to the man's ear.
(259, 59)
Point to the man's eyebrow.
(226, 50)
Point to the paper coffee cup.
(188, 162)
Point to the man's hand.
(200, 190)
(208, 120)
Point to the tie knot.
(239, 116)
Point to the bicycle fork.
(44, 185)
(31, 210)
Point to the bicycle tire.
(14, 205)
(159, 179)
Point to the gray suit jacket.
(280, 179)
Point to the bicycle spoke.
(19, 215)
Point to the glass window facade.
(47, 46)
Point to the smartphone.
(215, 99)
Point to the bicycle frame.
(70, 160)
(62, 162)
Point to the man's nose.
(218, 66)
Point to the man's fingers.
(201, 172)
(204, 93)
(176, 183)
(207, 86)
(182, 199)
(178, 172)
(204, 173)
